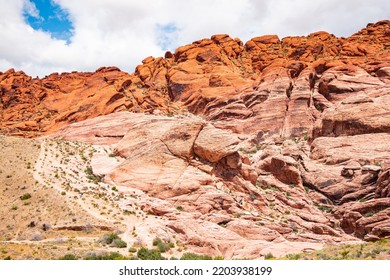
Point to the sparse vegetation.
(111, 256)
(369, 214)
(25, 196)
(193, 256)
(325, 208)
(293, 256)
(269, 256)
(252, 150)
(378, 250)
(113, 240)
(69, 257)
(119, 243)
(162, 246)
(91, 176)
(149, 254)
(132, 250)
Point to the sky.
(44, 36)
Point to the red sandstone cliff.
(269, 85)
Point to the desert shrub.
(25, 196)
(193, 256)
(325, 208)
(149, 254)
(369, 214)
(162, 246)
(113, 240)
(132, 250)
(91, 176)
(293, 256)
(109, 238)
(69, 257)
(112, 256)
(269, 256)
(324, 256)
(119, 243)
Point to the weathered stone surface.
(213, 144)
(276, 86)
(284, 169)
(213, 185)
(383, 184)
(368, 148)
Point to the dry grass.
(379, 250)
(38, 216)
(50, 249)
(52, 203)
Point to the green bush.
(91, 176)
(119, 243)
(193, 256)
(149, 254)
(25, 196)
(69, 257)
(109, 238)
(325, 208)
(113, 240)
(132, 250)
(162, 246)
(269, 256)
(293, 256)
(112, 256)
(369, 214)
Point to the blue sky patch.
(167, 35)
(48, 16)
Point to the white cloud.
(123, 32)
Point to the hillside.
(222, 148)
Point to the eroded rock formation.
(283, 141)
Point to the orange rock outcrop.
(277, 86)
